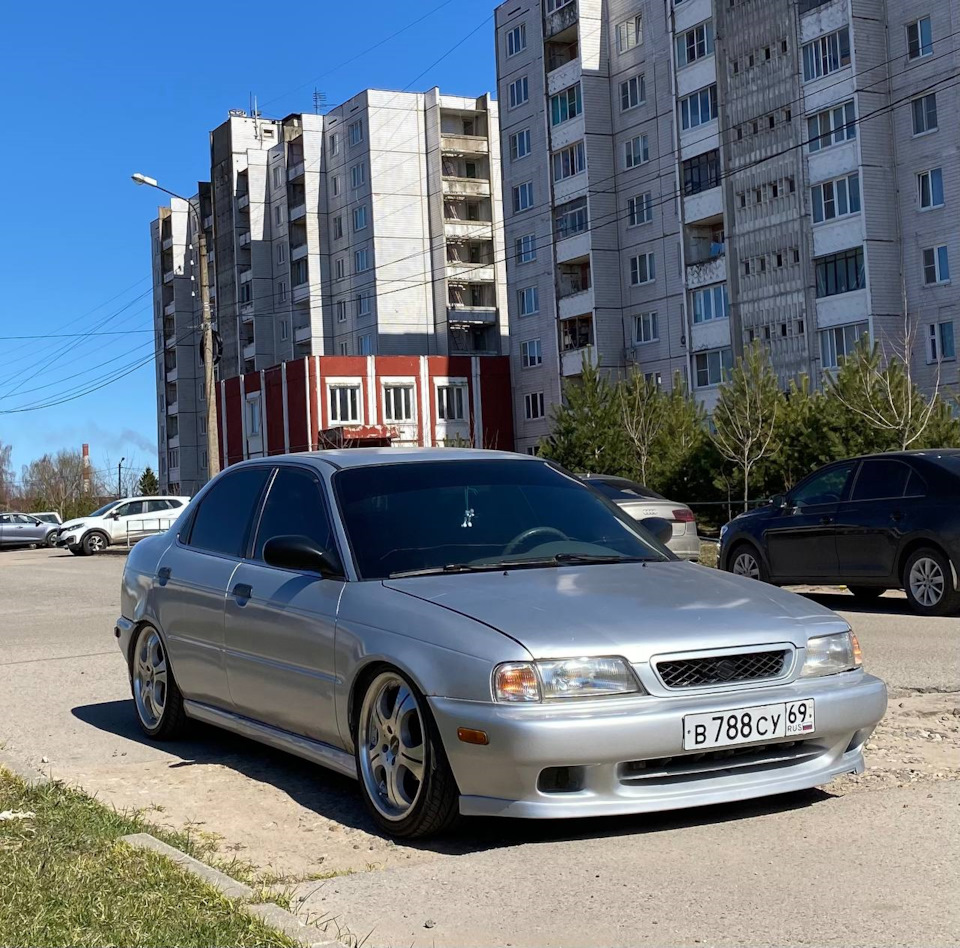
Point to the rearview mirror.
(302, 555)
(660, 528)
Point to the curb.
(268, 912)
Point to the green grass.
(65, 879)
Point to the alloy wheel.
(392, 746)
(927, 582)
(150, 678)
(96, 543)
(745, 564)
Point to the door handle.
(242, 591)
(163, 574)
(896, 515)
(826, 520)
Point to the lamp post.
(120, 478)
(206, 325)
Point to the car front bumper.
(603, 736)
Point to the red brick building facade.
(326, 401)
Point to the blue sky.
(100, 91)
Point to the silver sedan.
(474, 632)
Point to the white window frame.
(516, 39)
(848, 336)
(646, 328)
(341, 311)
(706, 300)
(526, 248)
(630, 33)
(333, 141)
(566, 105)
(724, 365)
(824, 55)
(516, 139)
(528, 296)
(636, 151)
(390, 383)
(939, 261)
(254, 417)
(640, 209)
(281, 292)
(365, 344)
(278, 214)
(842, 121)
(635, 86)
(923, 101)
(699, 108)
(338, 227)
(695, 44)
(277, 176)
(335, 185)
(338, 383)
(531, 353)
(569, 162)
(935, 342)
(363, 304)
(554, 5)
(284, 330)
(928, 176)
(518, 92)
(649, 269)
(360, 217)
(339, 268)
(281, 253)
(355, 132)
(444, 383)
(835, 193)
(361, 256)
(922, 49)
(358, 175)
(523, 193)
(533, 408)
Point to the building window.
(523, 197)
(360, 217)
(710, 302)
(281, 253)
(335, 185)
(713, 367)
(839, 342)
(571, 218)
(520, 144)
(530, 354)
(533, 405)
(633, 92)
(355, 132)
(361, 260)
(518, 93)
(695, 44)
(576, 333)
(930, 188)
(341, 311)
(528, 301)
(517, 39)
(642, 269)
(345, 348)
(636, 152)
(554, 5)
(246, 292)
(655, 378)
(836, 198)
(647, 329)
(284, 330)
(358, 175)
(337, 228)
(340, 268)
(253, 416)
(640, 209)
(840, 273)
(398, 403)
(526, 248)
(629, 33)
(831, 127)
(363, 304)
(925, 114)
(936, 266)
(298, 272)
(173, 457)
(565, 105)
(941, 345)
(451, 402)
(920, 38)
(278, 214)
(277, 176)
(699, 108)
(701, 173)
(334, 144)
(826, 54)
(569, 161)
(365, 344)
(344, 402)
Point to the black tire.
(928, 582)
(735, 559)
(94, 542)
(436, 806)
(172, 720)
(77, 550)
(51, 539)
(867, 593)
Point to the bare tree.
(55, 482)
(745, 419)
(643, 415)
(6, 476)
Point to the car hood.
(66, 525)
(631, 609)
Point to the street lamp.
(120, 478)
(209, 387)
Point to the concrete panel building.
(696, 175)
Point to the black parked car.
(887, 521)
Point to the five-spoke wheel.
(155, 692)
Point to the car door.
(870, 525)
(21, 530)
(800, 538)
(5, 531)
(125, 522)
(280, 623)
(193, 576)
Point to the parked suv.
(20, 529)
(120, 521)
(886, 521)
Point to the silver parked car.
(20, 529)
(475, 632)
(642, 503)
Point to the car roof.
(931, 454)
(370, 457)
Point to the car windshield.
(104, 509)
(453, 516)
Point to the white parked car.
(120, 522)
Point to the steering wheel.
(521, 538)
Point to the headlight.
(723, 530)
(830, 654)
(564, 678)
(73, 528)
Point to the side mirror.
(777, 501)
(302, 555)
(660, 528)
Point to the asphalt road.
(866, 861)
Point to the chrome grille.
(722, 669)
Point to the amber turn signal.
(471, 736)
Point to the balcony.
(300, 293)
(573, 279)
(464, 144)
(460, 314)
(463, 271)
(476, 230)
(243, 200)
(170, 340)
(172, 409)
(706, 271)
(303, 334)
(167, 243)
(298, 211)
(172, 374)
(703, 206)
(570, 248)
(571, 361)
(168, 276)
(295, 171)
(244, 239)
(575, 304)
(250, 350)
(208, 222)
(246, 311)
(170, 309)
(560, 20)
(464, 187)
(298, 252)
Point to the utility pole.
(120, 478)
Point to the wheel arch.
(919, 543)
(138, 627)
(744, 539)
(358, 687)
(92, 530)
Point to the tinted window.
(156, 505)
(222, 523)
(173, 503)
(879, 479)
(624, 490)
(100, 511)
(826, 487)
(294, 507)
(916, 486)
(125, 510)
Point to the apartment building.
(373, 229)
(696, 175)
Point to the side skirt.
(316, 751)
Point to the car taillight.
(684, 516)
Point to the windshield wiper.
(449, 568)
(558, 559)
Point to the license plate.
(748, 725)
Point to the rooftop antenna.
(319, 101)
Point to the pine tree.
(148, 485)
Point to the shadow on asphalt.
(845, 602)
(337, 798)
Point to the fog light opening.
(561, 779)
